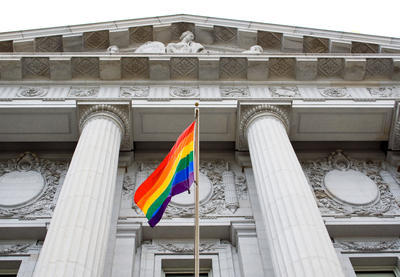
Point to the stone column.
(76, 241)
(300, 244)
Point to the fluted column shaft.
(76, 241)
(300, 244)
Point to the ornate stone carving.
(368, 246)
(231, 200)
(85, 67)
(394, 141)
(235, 92)
(119, 114)
(49, 44)
(141, 34)
(183, 68)
(225, 34)
(330, 67)
(186, 45)
(113, 49)
(51, 172)
(187, 247)
(12, 249)
(232, 68)
(184, 91)
(334, 92)
(134, 91)
(255, 49)
(83, 92)
(362, 47)
(269, 40)
(135, 68)
(36, 67)
(96, 40)
(284, 91)
(153, 47)
(384, 91)
(379, 67)
(316, 171)
(216, 205)
(315, 45)
(32, 92)
(282, 67)
(251, 112)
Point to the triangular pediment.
(216, 35)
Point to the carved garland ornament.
(216, 205)
(316, 170)
(43, 204)
(368, 246)
(7, 249)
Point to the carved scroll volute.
(231, 199)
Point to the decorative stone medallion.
(186, 199)
(28, 186)
(349, 187)
(32, 92)
(184, 91)
(334, 92)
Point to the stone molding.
(117, 113)
(17, 248)
(249, 113)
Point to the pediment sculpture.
(185, 46)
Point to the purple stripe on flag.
(182, 186)
(157, 217)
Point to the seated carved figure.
(186, 45)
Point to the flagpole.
(196, 208)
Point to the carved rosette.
(184, 91)
(316, 171)
(119, 114)
(334, 92)
(249, 113)
(32, 92)
(215, 206)
(43, 204)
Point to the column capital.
(118, 113)
(249, 113)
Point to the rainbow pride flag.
(174, 175)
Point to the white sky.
(359, 16)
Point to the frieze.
(215, 205)
(368, 246)
(384, 91)
(235, 92)
(83, 92)
(44, 204)
(284, 91)
(134, 91)
(317, 170)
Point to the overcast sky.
(358, 16)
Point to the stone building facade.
(299, 170)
